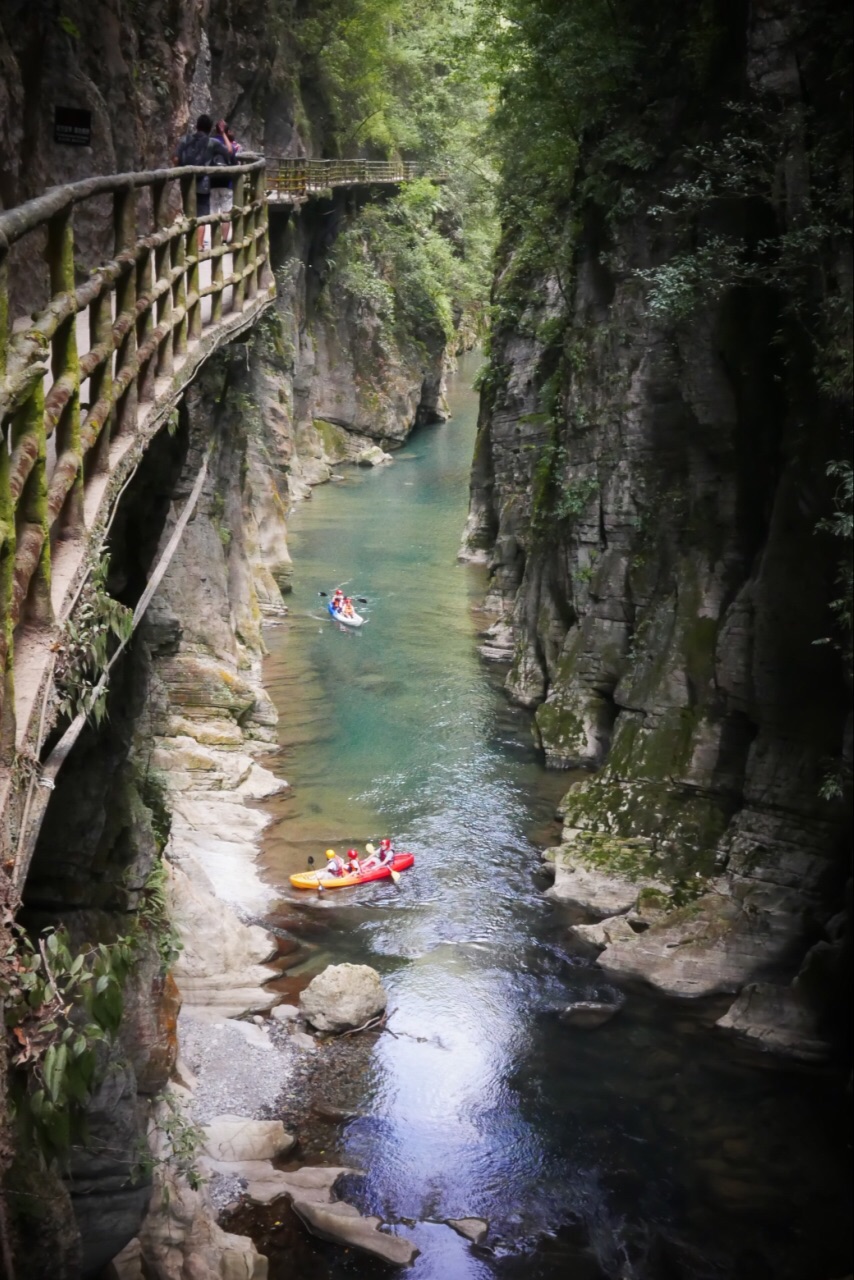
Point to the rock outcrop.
(650, 507)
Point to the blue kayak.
(350, 620)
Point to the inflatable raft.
(354, 620)
(371, 871)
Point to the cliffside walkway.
(89, 378)
(290, 181)
(89, 375)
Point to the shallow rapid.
(648, 1147)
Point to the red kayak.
(371, 870)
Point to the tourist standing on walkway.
(200, 148)
(222, 192)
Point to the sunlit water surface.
(645, 1140)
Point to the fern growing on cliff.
(85, 644)
(59, 1005)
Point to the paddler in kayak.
(354, 866)
(385, 853)
(335, 865)
(337, 600)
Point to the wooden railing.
(91, 375)
(293, 180)
(133, 334)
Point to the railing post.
(124, 221)
(163, 271)
(7, 569)
(192, 300)
(65, 363)
(216, 273)
(101, 380)
(238, 258)
(265, 272)
(249, 231)
(31, 575)
(4, 305)
(7, 543)
(145, 322)
(179, 297)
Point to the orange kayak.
(370, 871)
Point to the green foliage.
(86, 641)
(182, 1142)
(154, 793)
(154, 917)
(575, 497)
(70, 28)
(744, 165)
(404, 80)
(679, 287)
(395, 260)
(59, 1007)
(841, 526)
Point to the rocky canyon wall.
(163, 786)
(649, 487)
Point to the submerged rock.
(343, 1224)
(343, 996)
(373, 456)
(474, 1229)
(779, 1019)
(587, 1014)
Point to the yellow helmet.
(330, 853)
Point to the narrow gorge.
(569, 405)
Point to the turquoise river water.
(649, 1148)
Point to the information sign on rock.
(72, 126)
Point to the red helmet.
(385, 844)
(352, 853)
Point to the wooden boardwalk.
(87, 381)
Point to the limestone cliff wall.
(173, 768)
(331, 383)
(647, 492)
(167, 774)
(143, 71)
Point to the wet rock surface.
(588, 1014)
(473, 1229)
(343, 1224)
(654, 632)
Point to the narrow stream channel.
(581, 1148)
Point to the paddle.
(361, 599)
(311, 864)
(395, 875)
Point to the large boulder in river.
(373, 456)
(343, 996)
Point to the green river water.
(647, 1148)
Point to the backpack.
(194, 148)
(220, 159)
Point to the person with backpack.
(200, 148)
